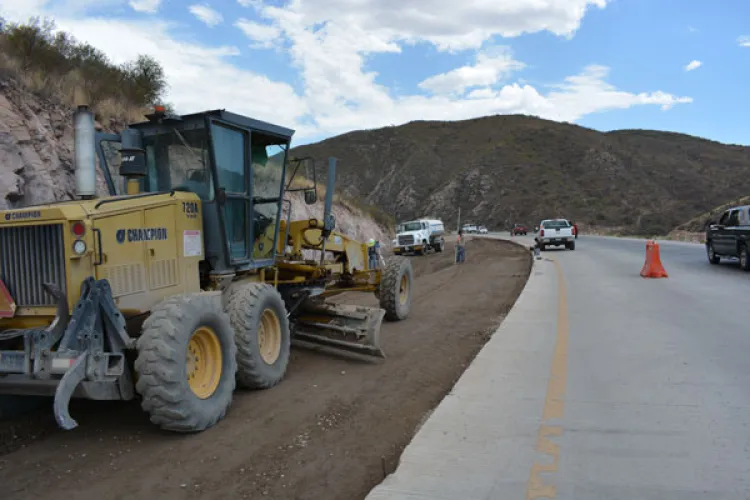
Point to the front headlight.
(79, 247)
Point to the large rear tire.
(396, 284)
(261, 330)
(186, 363)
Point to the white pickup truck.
(555, 232)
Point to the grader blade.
(340, 327)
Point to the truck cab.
(730, 236)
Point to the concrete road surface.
(599, 385)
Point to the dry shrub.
(54, 65)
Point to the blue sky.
(325, 67)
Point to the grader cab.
(186, 281)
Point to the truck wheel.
(744, 258)
(186, 363)
(712, 257)
(440, 246)
(395, 288)
(571, 245)
(261, 331)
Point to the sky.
(326, 67)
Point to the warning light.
(79, 229)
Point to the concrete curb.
(402, 484)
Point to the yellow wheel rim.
(204, 362)
(403, 290)
(269, 336)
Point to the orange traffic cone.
(653, 267)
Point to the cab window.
(178, 159)
(734, 219)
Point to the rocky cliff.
(36, 149)
(37, 162)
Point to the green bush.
(54, 64)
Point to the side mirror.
(311, 196)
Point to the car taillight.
(541, 232)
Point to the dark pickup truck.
(730, 237)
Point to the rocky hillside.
(36, 162)
(512, 168)
(36, 149)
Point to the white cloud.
(206, 14)
(744, 41)
(448, 24)
(21, 9)
(331, 39)
(150, 6)
(692, 65)
(489, 68)
(262, 34)
(330, 42)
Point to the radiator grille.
(406, 240)
(29, 257)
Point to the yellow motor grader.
(186, 281)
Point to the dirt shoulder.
(330, 430)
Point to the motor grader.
(187, 280)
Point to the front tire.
(744, 258)
(186, 363)
(261, 330)
(395, 292)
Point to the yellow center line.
(554, 401)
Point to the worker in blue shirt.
(373, 248)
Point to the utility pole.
(458, 227)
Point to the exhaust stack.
(85, 153)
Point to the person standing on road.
(372, 254)
(460, 250)
(378, 255)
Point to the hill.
(516, 168)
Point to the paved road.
(600, 385)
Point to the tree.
(144, 80)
